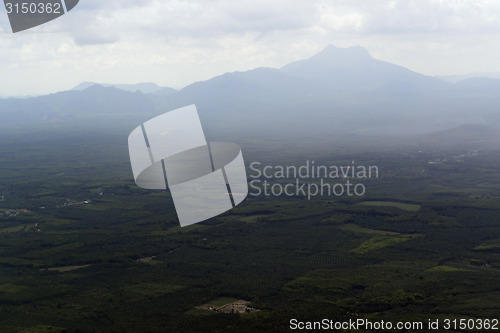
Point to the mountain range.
(144, 87)
(344, 90)
(458, 78)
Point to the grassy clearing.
(57, 222)
(14, 229)
(489, 245)
(337, 219)
(17, 261)
(401, 205)
(445, 268)
(67, 268)
(360, 230)
(251, 219)
(382, 241)
(11, 288)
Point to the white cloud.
(175, 42)
(412, 16)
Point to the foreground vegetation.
(82, 249)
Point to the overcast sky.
(177, 42)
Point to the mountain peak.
(353, 69)
(354, 57)
(337, 55)
(330, 48)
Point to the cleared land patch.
(400, 205)
(489, 245)
(67, 268)
(228, 305)
(11, 288)
(380, 240)
(445, 268)
(360, 230)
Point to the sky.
(177, 42)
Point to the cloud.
(176, 42)
(176, 19)
(411, 16)
(106, 22)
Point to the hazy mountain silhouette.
(353, 69)
(458, 78)
(94, 103)
(481, 86)
(144, 87)
(333, 70)
(337, 90)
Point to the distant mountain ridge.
(343, 90)
(458, 78)
(144, 87)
